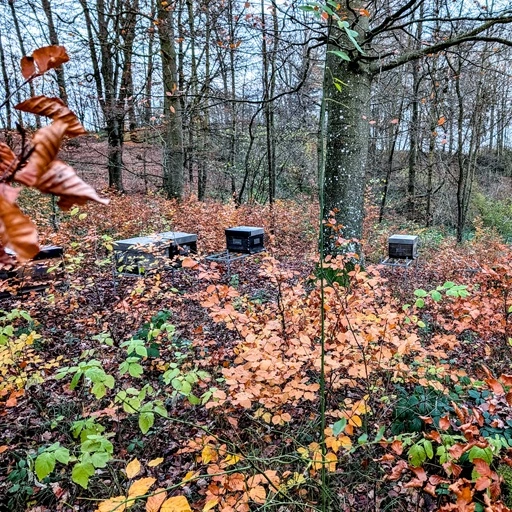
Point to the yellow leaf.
(113, 504)
(155, 462)
(176, 504)
(232, 459)
(133, 468)
(210, 504)
(331, 461)
(208, 454)
(155, 501)
(140, 487)
(189, 476)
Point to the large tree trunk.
(173, 138)
(347, 100)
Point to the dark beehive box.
(181, 244)
(246, 239)
(35, 272)
(403, 247)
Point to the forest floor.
(191, 388)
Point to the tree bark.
(173, 138)
(347, 100)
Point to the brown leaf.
(444, 423)
(397, 470)
(17, 231)
(155, 500)
(397, 446)
(482, 467)
(60, 179)
(8, 160)
(28, 67)
(436, 479)
(55, 109)
(420, 473)
(46, 144)
(496, 386)
(430, 489)
(43, 59)
(188, 263)
(482, 483)
(506, 379)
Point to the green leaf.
(339, 427)
(421, 324)
(340, 54)
(436, 296)
(417, 455)
(45, 464)
(62, 455)
(420, 293)
(448, 285)
(442, 453)
(99, 390)
(480, 453)
(352, 34)
(186, 388)
(420, 303)
(194, 400)
(81, 473)
(380, 434)
(363, 439)
(161, 410)
(109, 381)
(429, 450)
(75, 380)
(146, 421)
(100, 459)
(141, 351)
(135, 370)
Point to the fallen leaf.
(113, 505)
(133, 469)
(155, 462)
(140, 487)
(176, 504)
(155, 500)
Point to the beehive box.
(403, 247)
(139, 254)
(245, 239)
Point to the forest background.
(289, 383)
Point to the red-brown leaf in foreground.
(43, 59)
(60, 179)
(55, 109)
(8, 160)
(17, 231)
(46, 143)
(9, 193)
